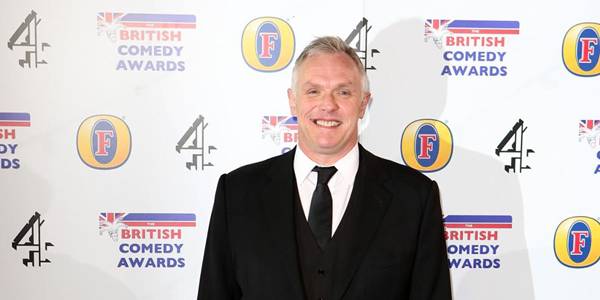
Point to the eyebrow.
(313, 84)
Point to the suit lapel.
(278, 207)
(368, 203)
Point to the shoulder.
(258, 171)
(395, 175)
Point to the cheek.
(353, 111)
(305, 109)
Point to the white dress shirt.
(340, 184)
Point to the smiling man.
(327, 220)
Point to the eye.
(311, 92)
(345, 92)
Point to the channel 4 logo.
(427, 145)
(576, 242)
(580, 49)
(103, 142)
(30, 237)
(28, 37)
(268, 44)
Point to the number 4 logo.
(27, 36)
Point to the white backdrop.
(106, 204)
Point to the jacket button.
(321, 272)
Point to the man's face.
(328, 100)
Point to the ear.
(292, 101)
(364, 103)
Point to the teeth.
(327, 123)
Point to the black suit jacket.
(394, 248)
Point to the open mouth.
(327, 123)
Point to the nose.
(328, 102)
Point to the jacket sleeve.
(217, 278)
(430, 274)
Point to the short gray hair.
(330, 45)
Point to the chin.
(329, 148)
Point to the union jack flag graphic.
(110, 22)
(112, 222)
(436, 28)
(133, 20)
(273, 126)
(589, 130)
(478, 221)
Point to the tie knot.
(325, 173)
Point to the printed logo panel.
(10, 122)
(282, 130)
(268, 44)
(358, 37)
(512, 146)
(147, 240)
(474, 241)
(580, 49)
(147, 42)
(103, 142)
(576, 242)
(30, 238)
(27, 37)
(193, 141)
(472, 47)
(427, 145)
(589, 131)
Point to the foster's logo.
(103, 142)
(581, 49)
(577, 242)
(427, 145)
(268, 44)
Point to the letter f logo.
(426, 145)
(267, 44)
(587, 48)
(103, 138)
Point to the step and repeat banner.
(117, 117)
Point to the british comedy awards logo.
(103, 142)
(589, 132)
(194, 141)
(471, 47)
(147, 240)
(580, 52)
(577, 242)
(474, 241)
(268, 44)
(146, 42)
(30, 237)
(281, 130)
(9, 122)
(511, 146)
(28, 38)
(427, 145)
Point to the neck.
(325, 159)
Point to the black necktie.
(319, 217)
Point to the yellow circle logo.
(576, 242)
(103, 142)
(581, 49)
(268, 44)
(427, 145)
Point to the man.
(327, 220)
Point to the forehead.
(326, 66)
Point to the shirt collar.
(346, 167)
